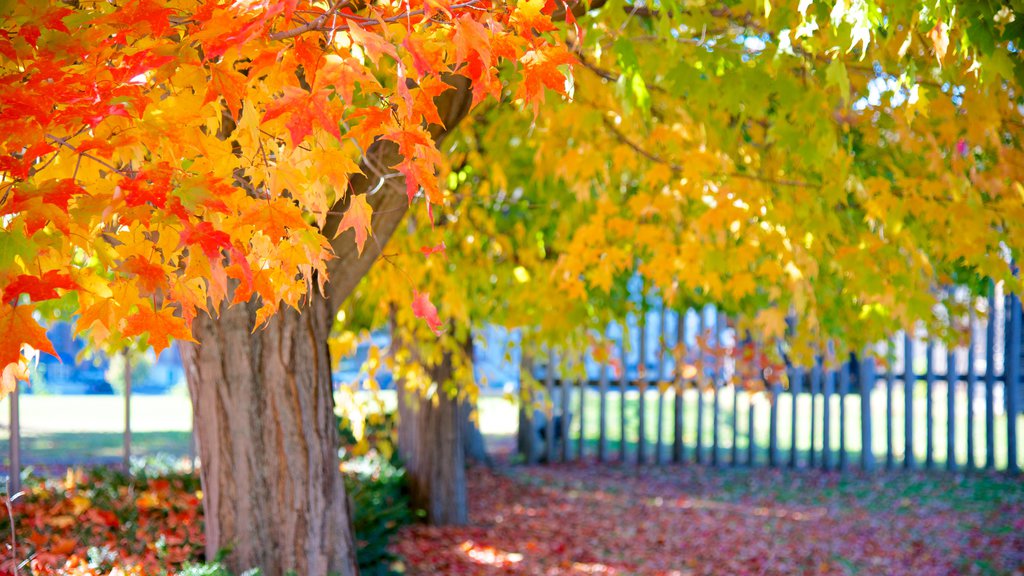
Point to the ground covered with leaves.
(585, 519)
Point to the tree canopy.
(839, 162)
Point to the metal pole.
(127, 411)
(15, 442)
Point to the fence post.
(623, 385)
(662, 342)
(527, 432)
(990, 380)
(773, 425)
(972, 388)
(127, 412)
(952, 376)
(890, 383)
(1012, 382)
(795, 388)
(565, 397)
(14, 440)
(866, 383)
(678, 449)
(700, 388)
(826, 434)
(909, 380)
(602, 420)
(751, 436)
(641, 384)
(815, 385)
(844, 391)
(549, 424)
(734, 450)
(717, 381)
(929, 424)
(583, 383)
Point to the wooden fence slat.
(582, 439)
(678, 448)
(565, 387)
(773, 425)
(527, 426)
(972, 388)
(1012, 386)
(641, 384)
(929, 382)
(734, 449)
(990, 381)
(716, 381)
(844, 391)
(549, 425)
(700, 388)
(662, 349)
(623, 386)
(951, 381)
(816, 380)
(909, 379)
(795, 389)
(890, 383)
(826, 416)
(866, 383)
(602, 418)
(751, 436)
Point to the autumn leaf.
(20, 328)
(358, 216)
(39, 288)
(423, 308)
(160, 325)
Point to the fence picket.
(816, 378)
(735, 447)
(751, 436)
(951, 381)
(1012, 386)
(641, 385)
(866, 383)
(662, 346)
(844, 391)
(678, 448)
(990, 381)
(972, 388)
(549, 424)
(929, 382)
(890, 383)
(623, 385)
(565, 387)
(795, 389)
(602, 418)
(582, 439)
(909, 380)
(826, 416)
(773, 425)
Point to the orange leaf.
(161, 325)
(358, 217)
(19, 327)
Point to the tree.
(771, 158)
(180, 170)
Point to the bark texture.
(430, 441)
(268, 441)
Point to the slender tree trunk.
(430, 441)
(472, 438)
(265, 423)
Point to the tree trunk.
(268, 441)
(430, 441)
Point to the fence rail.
(954, 408)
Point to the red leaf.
(423, 308)
(39, 288)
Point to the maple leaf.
(39, 288)
(431, 250)
(423, 308)
(160, 326)
(19, 328)
(358, 217)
